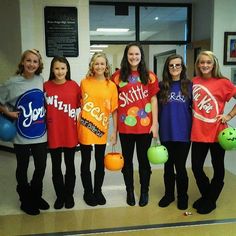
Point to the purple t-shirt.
(175, 116)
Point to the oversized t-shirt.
(209, 98)
(135, 111)
(62, 103)
(175, 116)
(99, 100)
(26, 96)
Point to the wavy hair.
(62, 60)
(166, 82)
(125, 69)
(96, 55)
(20, 69)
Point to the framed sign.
(230, 48)
(61, 31)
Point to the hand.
(113, 138)
(223, 118)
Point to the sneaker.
(166, 201)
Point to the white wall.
(32, 32)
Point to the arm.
(225, 118)
(11, 114)
(154, 127)
(113, 138)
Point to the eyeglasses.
(176, 66)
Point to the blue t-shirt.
(175, 116)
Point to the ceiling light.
(99, 46)
(156, 18)
(119, 30)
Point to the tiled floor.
(116, 218)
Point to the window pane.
(106, 17)
(163, 23)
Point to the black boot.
(169, 196)
(58, 183)
(69, 191)
(129, 183)
(26, 199)
(98, 181)
(37, 190)
(144, 181)
(89, 197)
(209, 203)
(182, 188)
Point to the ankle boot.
(166, 201)
(130, 198)
(143, 201)
(98, 182)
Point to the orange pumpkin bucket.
(114, 161)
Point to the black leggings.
(199, 153)
(69, 156)
(86, 157)
(39, 153)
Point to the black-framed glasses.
(176, 66)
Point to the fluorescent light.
(96, 50)
(119, 30)
(99, 46)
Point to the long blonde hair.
(96, 55)
(216, 73)
(20, 69)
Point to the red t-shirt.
(134, 111)
(209, 98)
(62, 102)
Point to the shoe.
(43, 205)
(90, 199)
(198, 203)
(143, 201)
(207, 207)
(130, 198)
(166, 201)
(59, 203)
(69, 202)
(182, 203)
(29, 209)
(101, 200)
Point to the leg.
(39, 153)
(23, 187)
(169, 176)
(69, 156)
(143, 142)
(217, 182)
(182, 150)
(199, 153)
(99, 173)
(86, 178)
(57, 177)
(127, 144)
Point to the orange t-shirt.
(99, 100)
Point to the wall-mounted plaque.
(61, 31)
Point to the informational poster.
(61, 31)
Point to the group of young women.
(58, 114)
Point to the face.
(134, 57)
(205, 65)
(99, 66)
(60, 71)
(175, 68)
(30, 64)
